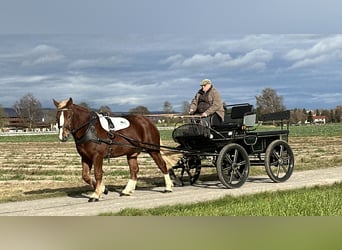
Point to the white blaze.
(61, 123)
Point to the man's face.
(206, 87)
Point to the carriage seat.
(235, 117)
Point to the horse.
(94, 143)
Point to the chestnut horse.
(93, 144)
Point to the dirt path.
(148, 198)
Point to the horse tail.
(170, 157)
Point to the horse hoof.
(106, 191)
(93, 199)
(124, 194)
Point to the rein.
(90, 135)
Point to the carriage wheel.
(279, 161)
(188, 169)
(233, 165)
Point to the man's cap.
(205, 82)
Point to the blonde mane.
(62, 104)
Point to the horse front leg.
(133, 169)
(86, 168)
(99, 186)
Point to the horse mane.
(65, 104)
(81, 107)
(62, 104)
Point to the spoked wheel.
(279, 161)
(233, 165)
(188, 169)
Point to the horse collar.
(90, 134)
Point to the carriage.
(233, 146)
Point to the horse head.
(64, 118)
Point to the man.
(207, 103)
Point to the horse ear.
(56, 103)
(70, 102)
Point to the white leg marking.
(103, 188)
(168, 183)
(130, 187)
(94, 195)
(61, 123)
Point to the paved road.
(147, 198)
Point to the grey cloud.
(326, 50)
(253, 60)
(41, 55)
(98, 62)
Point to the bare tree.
(338, 114)
(298, 116)
(186, 107)
(85, 105)
(269, 101)
(3, 118)
(140, 110)
(105, 110)
(28, 109)
(168, 109)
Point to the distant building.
(318, 119)
(13, 123)
(315, 119)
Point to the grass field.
(39, 166)
(295, 131)
(317, 201)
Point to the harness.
(90, 135)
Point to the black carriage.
(233, 146)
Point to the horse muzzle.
(63, 135)
(64, 138)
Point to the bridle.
(72, 130)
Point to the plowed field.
(43, 169)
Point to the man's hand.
(204, 114)
(191, 112)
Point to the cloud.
(125, 72)
(252, 60)
(98, 62)
(324, 51)
(42, 54)
(201, 60)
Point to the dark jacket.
(209, 102)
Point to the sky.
(125, 54)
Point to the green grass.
(295, 131)
(30, 138)
(316, 201)
(316, 130)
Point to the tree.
(310, 117)
(85, 105)
(338, 113)
(269, 101)
(28, 109)
(105, 110)
(298, 116)
(186, 107)
(3, 117)
(167, 107)
(140, 110)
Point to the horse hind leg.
(158, 159)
